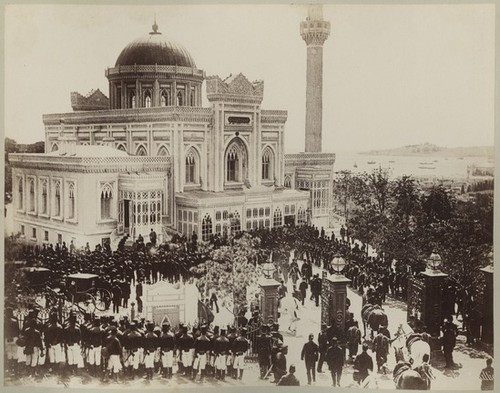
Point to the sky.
(393, 74)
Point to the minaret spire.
(314, 30)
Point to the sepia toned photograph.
(231, 196)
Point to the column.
(269, 299)
(333, 303)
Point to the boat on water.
(426, 167)
(391, 161)
(371, 162)
(460, 158)
(355, 165)
(426, 163)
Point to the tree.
(232, 271)
(350, 189)
(379, 185)
(438, 204)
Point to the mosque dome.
(153, 49)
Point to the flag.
(204, 313)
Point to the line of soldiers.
(106, 348)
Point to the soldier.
(353, 340)
(150, 343)
(381, 349)
(202, 346)
(335, 360)
(34, 348)
(264, 349)
(323, 346)
(221, 349)
(167, 346)
(177, 336)
(72, 338)
(240, 348)
(231, 337)
(114, 350)
(186, 344)
(96, 337)
(53, 342)
(134, 346)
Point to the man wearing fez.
(239, 349)
(264, 349)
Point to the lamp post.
(269, 293)
(333, 297)
(434, 261)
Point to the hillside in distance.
(428, 149)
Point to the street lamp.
(434, 261)
(268, 269)
(338, 264)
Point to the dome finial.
(155, 27)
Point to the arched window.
(141, 151)
(191, 167)
(193, 97)
(288, 182)
(32, 195)
(43, 209)
(121, 148)
(106, 199)
(55, 147)
(57, 198)
(278, 218)
(236, 162)
(147, 99)
(164, 101)
(162, 151)
(71, 200)
(180, 98)
(133, 103)
(206, 227)
(267, 161)
(20, 193)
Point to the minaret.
(314, 30)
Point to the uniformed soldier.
(221, 349)
(185, 345)
(230, 360)
(178, 351)
(85, 329)
(54, 342)
(240, 348)
(202, 346)
(150, 343)
(264, 349)
(72, 339)
(95, 345)
(133, 344)
(167, 347)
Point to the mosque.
(150, 156)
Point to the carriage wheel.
(102, 299)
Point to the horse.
(414, 347)
(374, 316)
(406, 378)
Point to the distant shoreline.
(428, 150)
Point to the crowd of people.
(140, 348)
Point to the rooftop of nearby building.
(88, 151)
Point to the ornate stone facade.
(161, 163)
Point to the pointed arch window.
(57, 198)
(232, 164)
(71, 200)
(141, 151)
(288, 182)
(133, 101)
(20, 193)
(147, 99)
(164, 101)
(44, 206)
(162, 151)
(180, 98)
(191, 167)
(121, 148)
(206, 227)
(55, 147)
(31, 183)
(267, 164)
(106, 199)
